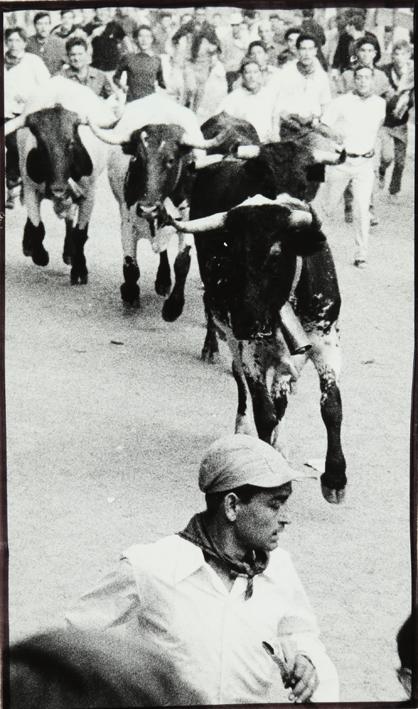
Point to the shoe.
(360, 263)
(348, 216)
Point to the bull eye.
(276, 249)
(169, 162)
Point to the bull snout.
(150, 211)
(59, 191)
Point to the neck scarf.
(254, 562)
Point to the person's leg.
(386, 155)
(363, 181)
(348, 203)
(399, 165)
(331, 191)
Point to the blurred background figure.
(163, 32)
(290, 54)
(68, 27)
(331, 40)
(251, 22)
(79, 68)
(49, 48)
(278, 27)
(234, 48)
(107, 41)
(258, 52)
(310, 26)
(400, 74)
(407, 651)
(273, 49)
(143, 70)
(213, 89)
(23, 72)
(64, 669)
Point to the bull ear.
(128, 147)
(305, 240)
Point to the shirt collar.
(190, 559)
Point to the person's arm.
(325, 96)
(121, 67)
(160, 75)
(112, 604)
(298, 638)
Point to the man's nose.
(284, 515)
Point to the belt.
(370, 154)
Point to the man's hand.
(303, 679)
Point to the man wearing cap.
(219, 599)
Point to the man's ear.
(230, 506)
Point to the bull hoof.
(162, 288)
(67, 259)
(172, 309)
(130, 293)
(27, 250)
(40, 256)
(333, 496)
(209, 356)
(78, 277)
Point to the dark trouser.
(12, 161)
(399, 156)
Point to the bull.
(150, 169)
(60, 159)
(253, 271)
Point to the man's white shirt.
(357, 119)
(260, 109)
(302, 94)
(168, 596)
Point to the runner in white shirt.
(254, 102)
(357, 116)
(304, 85)
(206, 600)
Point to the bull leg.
(284, 379)
(34, 231)
(66, 254)
(163, 280)
(173, 306)
(79, 272)
(265, 417)
(129, 289)
(210, 349)
(326, 356)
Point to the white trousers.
(361, 172)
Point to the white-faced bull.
(148, 165)
(254, 259)
(59, 160)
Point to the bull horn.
(206, 160)
(197, 226)
(14, 124)
(246, 152)
(107, 135)
(300, 218)
(205, 143)
(326, 157)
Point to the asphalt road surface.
(104, 439)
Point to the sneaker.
(360, 263)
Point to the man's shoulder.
(55, 41)
(161, 554)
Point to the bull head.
(59, 155)
(256, 259)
